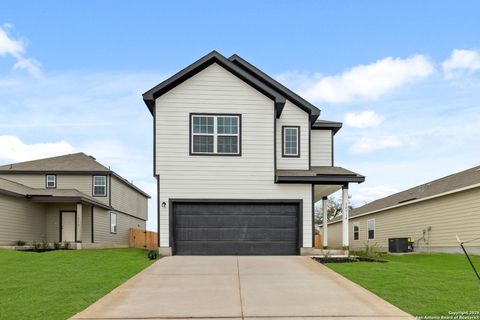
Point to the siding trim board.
(172, 202)
(412, 202)
(92, 224)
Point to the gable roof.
(457, 181)
(300, 102)
(75, 163)
(70, 162)
(199, 65)
(47, 195)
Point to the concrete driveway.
(237, 288)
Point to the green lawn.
(420, 284)
(58, 284)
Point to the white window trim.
(116, 222)
(215, 134)
(99, 185)
(284, 153)
(356, 224)
(374, 230)
(54, 181)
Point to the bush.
(66, 245)
(20, 243)
(36, 246)
(45, 245)
(56, 245)
(153, 254)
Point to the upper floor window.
(215, 134)
(291, 141)
(100, 186)
(371, 229)
(51, 181)
(356, 231)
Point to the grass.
(58, 284)
(420, 284)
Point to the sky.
(403, 77)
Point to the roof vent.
(406, 200)
(92, 157)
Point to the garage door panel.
(235, 228)
(234, 247)
(234, 221)
(233, 234)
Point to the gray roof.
(452, 182)
(71, 162)
(47, 195)
(325, 124)
(75, 163)
(320, 174)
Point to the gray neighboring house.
(432, 214)
(240, 161)
(68, 198)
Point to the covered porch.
(325, 180)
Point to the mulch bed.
(346, 259)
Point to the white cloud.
(15, 150)
(367, 145)
(16, 49)
(364, 195)
(364, 119)
(367, 82)
(461, 63)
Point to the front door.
(68, 226)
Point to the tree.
(334, 209)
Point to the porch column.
(78, 233)
(325, 222)
(345, 215)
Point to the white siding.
(293, 116)
(249, 176)
(322, 148)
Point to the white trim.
(285, 141)
(99, 185)
(115, 229)
(473, 186)
(54, 181)
(374, 229)
(215, 134)
(356, 224)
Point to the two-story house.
(70, 198)
(240, 161)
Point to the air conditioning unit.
(400, 245)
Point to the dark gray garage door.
(235, 228)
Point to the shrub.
(36, 246)
(66, 245)
(20, 243)
(45, 245)
(152, 254)
(56, 245)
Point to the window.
(51, 181)
(113, 222)
(290, 140)
(371, 229)
(356, 231)
(215, 134)
(100, 186)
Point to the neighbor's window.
(371, 229)
(113, 222)
(51, 181)
(100, 186)
(291, 139)
(356, 231)
(215, 134)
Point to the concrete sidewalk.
(237, 288)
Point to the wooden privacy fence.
(143, 239)
(318, 242)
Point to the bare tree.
(334, 209)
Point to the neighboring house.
(68, 198)
(432, 214)
(240, 161)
